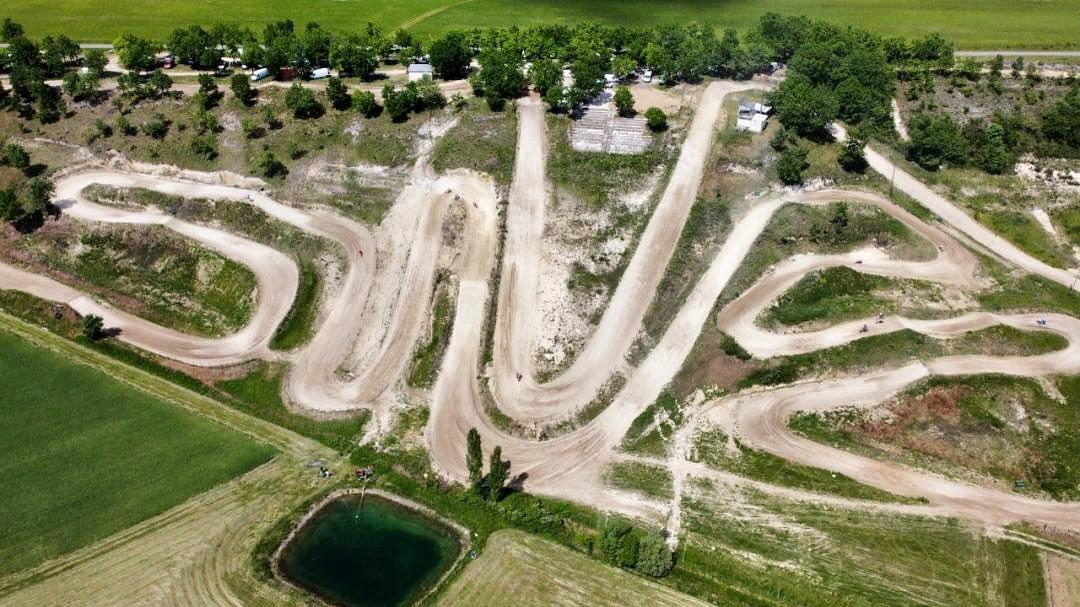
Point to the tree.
(656, 119)
(474, 459)
(157, 127)
(851, 157)
(353, 55)
(623, 66)
(269, 166)
(624, 101)
(498, 471)
(545, 76)
(450, 56)
(803, 107)
(992, 155)
(397, 103)
(16, 156)
(160, 82)
(208, 85)
(10, 209)
(364, 102)
(791, 164)
(39, 193)
(95, 61)
(10, 30)
(302, 102)
(338, 94)
(136, 54)
(936, 141)
(1061, 121)
(617, 542)
(241, 88)
(92, 326)
(554, 98)
(500, 75)
(653, 558)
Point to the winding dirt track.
(370, 322)
(517, 318)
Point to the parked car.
(646, 76)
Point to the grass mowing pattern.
(778, 553)
(87, 456)
(528, 571)
(971, 23)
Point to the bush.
(92, 326)
(654, 558)
(624, 101)
(337, 94)
(790, 166)
(302, 102)
(851, 157)
(156, 128)
(656, 119)
(936, 141)
(241, 87)
(269, 166)
(364, 102)
(251, 129)
(622, 544)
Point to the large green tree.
(450, 56)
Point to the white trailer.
(259, 74)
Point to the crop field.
(972, 24)
(87, 456)
(537, 572)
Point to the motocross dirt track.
(374, 305)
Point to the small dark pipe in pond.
(378, 554)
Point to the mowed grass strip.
(86, 456)
(971, 23)
(524, 570)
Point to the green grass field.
(971, 23)
(86, 456)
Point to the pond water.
(378, 554)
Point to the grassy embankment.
(711, 448)
(482, 140)
(984, 426)
(243, 219)
(840, 293)
(989, 24)
(87, 455)
(148, 271)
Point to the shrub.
(364, 102)
(302, 102)
(624, 101)
(337, 94)
(269, 166)
(851, 157)
(656, 119)
(791, 164)
(157, 127)
(653, 557)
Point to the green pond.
(374, 554)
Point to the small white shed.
(417, 71)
